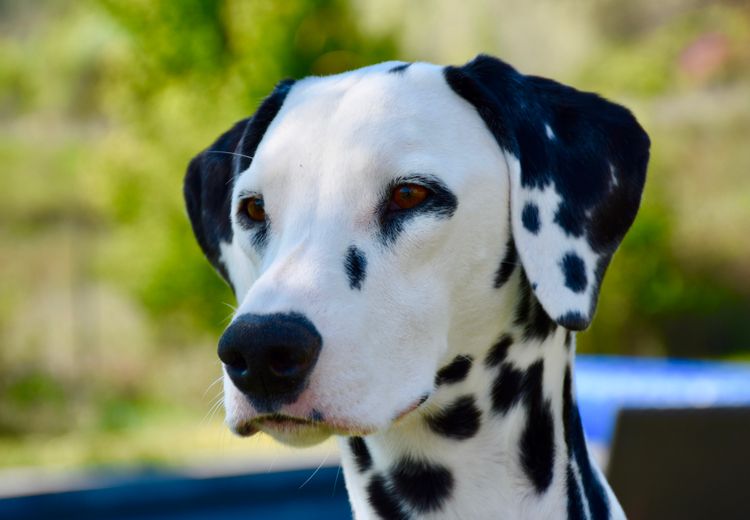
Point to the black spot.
(454, 372)
(507, 264)
(383, 500)
(460, 420)
(567, 408)
(538, 436)
(441, 203)
(361, 453)
(399, 69)
(423, 485)
(568, 221)
(530, 217)
(540, 326)
(575, 500)
(260, 234)
(356, 265)
(506, 389)
(596, 494)
(523, 308)
(531, 315)
(568, 339)
(574, 270)
(499, 351)
(573, 320)
(210, 176)
(316, 415)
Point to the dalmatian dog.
(412, 248)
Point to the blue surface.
(605, 384)
(278, 496)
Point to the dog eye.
(407, 196)
(254, 209)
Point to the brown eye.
(254, 209)
(407, 196)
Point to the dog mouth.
(286, 425)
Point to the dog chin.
(297, 435)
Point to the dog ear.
(577, 166)
(210, 177)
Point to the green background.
(109, 314)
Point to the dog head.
(366, 221)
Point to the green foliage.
(108, 311)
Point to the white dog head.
(367, 220)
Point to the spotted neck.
(500, 437)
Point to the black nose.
(270, 356)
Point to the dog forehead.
(386, 118)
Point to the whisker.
(230, 153)
(336, 480)
(316, 470)
(212, 384)
(216, 403)
(231, 314)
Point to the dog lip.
(246, 429)
(285, 420)
(282, 421)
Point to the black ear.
(210, 177)
(577, 167)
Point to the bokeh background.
(109, 314)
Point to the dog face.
(366, 221)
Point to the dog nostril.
(234, 360)
(283, 362)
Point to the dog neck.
(500, 437)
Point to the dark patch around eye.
(355, 265)
(441, 203)
(259, 229)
